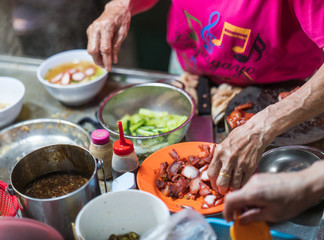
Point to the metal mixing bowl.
(289, 158)
(156, 96)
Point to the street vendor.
(241, 43)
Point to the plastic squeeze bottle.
(101, 148)
(124, 158)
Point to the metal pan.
(307, 132)
(22, 138)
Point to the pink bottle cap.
(100, 136)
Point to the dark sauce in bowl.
(55, 184)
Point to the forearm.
(138, 6)
(303, 104)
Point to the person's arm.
(237, 157)
(106, 33)
(276, 197)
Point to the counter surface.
(39, 104)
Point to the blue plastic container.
(222, 230)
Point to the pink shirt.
(246, 42)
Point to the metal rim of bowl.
(185, 93)
(309, 149)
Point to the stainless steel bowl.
(18, 140)
(156, 96)
(289, 158)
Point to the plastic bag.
(187, 224)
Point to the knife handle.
(203, 93)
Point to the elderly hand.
(275, 197)
(237, 157)
(106, 34)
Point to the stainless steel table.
(39, 104)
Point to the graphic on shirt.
(258, 46)
(234, 32)
(206, 34)
(192, 34)
(240, 36)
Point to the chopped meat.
(186, 177)
(283, 95)
(238, 117)
(190, 172)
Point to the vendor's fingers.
(234, 203)
(106, 48)
(212, 172)
(118, 40)
(223, 180)
(247, 175)
(253, 215)
(237, 178)
(93, 46)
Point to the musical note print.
(192, 34)
(235, 32)
(205, 33)
(258, 46)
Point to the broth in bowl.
(73, 72)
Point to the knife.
(201, 126)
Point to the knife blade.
(201, 126)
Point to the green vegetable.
(147, 122)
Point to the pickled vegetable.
(127, 236)
(148, 123)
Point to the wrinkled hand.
(236, 158)
(270, 197)
(106, 34)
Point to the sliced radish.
(78, 76)
(66, 79)
(73, 70)
(89, 71)
(190, 172)
(57, 78)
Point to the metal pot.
(59, 212)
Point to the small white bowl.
(12, 92)
(75, 94)
(120, 213)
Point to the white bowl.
(12, 92)
(75, 94)
(119, 213)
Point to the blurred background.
(41, 28)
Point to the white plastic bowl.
(75, 94)
(12, 92)
(119, 213)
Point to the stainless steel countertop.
(39, 104)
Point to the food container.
(120, 213)
(289, 158)
(156, 96)
(59, 212)
(72, 94)
(12, 92)
(26, 228)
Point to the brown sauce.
(55, 184)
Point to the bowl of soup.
(12, 92)
(72, 77)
